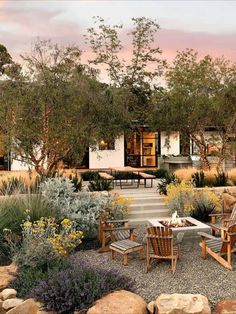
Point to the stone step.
(147, 206)
(146, 200)
(148, 213)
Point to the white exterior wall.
(108, 158)
(18, 165)
(173, 140)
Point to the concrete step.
(148, 214)
(149, 200)
(147, 206)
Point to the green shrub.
(77, 182)
(124, 175)
(45, 242)
(89, 175)
(87, 208)
(29, 278)
(159, 173)
(76, 288)
(180, 197)
(205, 202)
(14, 210)
(58, 192)
(221, 179)
(199, 179)
(100, 184)
(169, 179)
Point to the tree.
(5, 59)
(196, 98)
(57, 108)
(137, 76)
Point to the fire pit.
(190, 226)
(176, 222)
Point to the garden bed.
(193, 274)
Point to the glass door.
(149, 149)
(141, 149)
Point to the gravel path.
(193, 274)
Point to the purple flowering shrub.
(77, 287)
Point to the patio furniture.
(107, 176)
(220, 246)
(126, 247)
(114, 230)
(161, 242)
(222, 220)
(145, 177)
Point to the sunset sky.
(206, 26)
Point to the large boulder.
(226, 307)
(7, 275)
(29, 306)
(229, 200)
(182, 304)
(8, 294)
(10, 303)
(120, 302)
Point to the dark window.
(107, 145)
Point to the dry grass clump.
(185, 174)
(232, 175)
(27, 177)
(210, 176)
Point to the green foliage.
(14, 210)
(100, 184)
(221, 179)
(159, 173)
(199, 93)
(135, 78)
(5, 59)
(54, 90)
(29, 278)
(78, 287)
(89, 175)
(170, 178)
(205, 202)
(199, 179)
(58, 192)
(86, 210)
(77, 181)
(44, 242)
(180, 197)
(124, 175)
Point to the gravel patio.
(193, 274)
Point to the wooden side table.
(125, 247)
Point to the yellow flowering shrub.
(184, 199)
(63, 237)
(180, 197)
(116, 208)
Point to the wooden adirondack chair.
(220, 246)
(161, 242)
(222, 220)
(114, 230)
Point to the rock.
(2, 311)
(10, 303)
(182, 304)
(151, 307)
(25, 307)
(229, 201)
(7, 275)
(8, 294)
(226, 307)
(119, 302)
